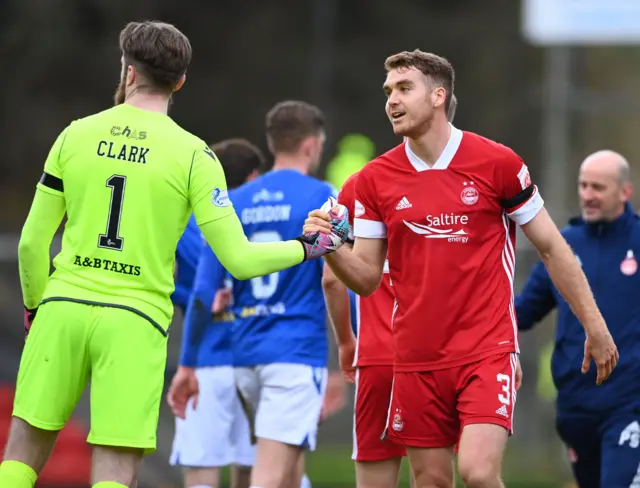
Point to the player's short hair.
(239, 158)
(291, 122)
(434, 67)
(159, 51)
(453, 105)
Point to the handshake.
(325, 230)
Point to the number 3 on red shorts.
(505, 383)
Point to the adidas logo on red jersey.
(503, 411)
(403, 203)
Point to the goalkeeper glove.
(318, 244)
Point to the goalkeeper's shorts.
(122, 355)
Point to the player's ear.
(270, 146)
(438, 97)
(183, 78)
(131, 74)
(627, 190)
(307, 146)
(322, 138)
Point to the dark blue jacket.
(601, 249)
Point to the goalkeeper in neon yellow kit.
(128, 178)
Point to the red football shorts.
(373, 393)
(430, 409)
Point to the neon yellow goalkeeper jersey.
(130, 179)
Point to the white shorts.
(284, 401)
(216, 433)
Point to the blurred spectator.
(599, 424)
(354, 151)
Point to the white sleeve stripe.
(525, 213)
(370, 229)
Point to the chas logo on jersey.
(220, 198)
(358, 210)
(128, 132)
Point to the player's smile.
(397, 116)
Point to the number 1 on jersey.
(112, 240)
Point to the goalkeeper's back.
(129, 178)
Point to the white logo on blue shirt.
(220, 198)
(265, 195)
(631, 435)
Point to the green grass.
(331, 466)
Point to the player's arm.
(536, 299)
(336, 293)
(46, 214)
(207, 280)
(223, 231)
(180, 296)
(181, 293)
(244, 259)
(361, 268)
(336, 296)
(524, 206)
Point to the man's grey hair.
(624, 171)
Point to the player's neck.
(151, 102)
(291, 161)
(429, 146)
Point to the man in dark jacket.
(599, 424)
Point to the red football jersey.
(451, 236)
(374, 346)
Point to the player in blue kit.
(216, 433)
(279, 338)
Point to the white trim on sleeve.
(525, 214)
(369, 229)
